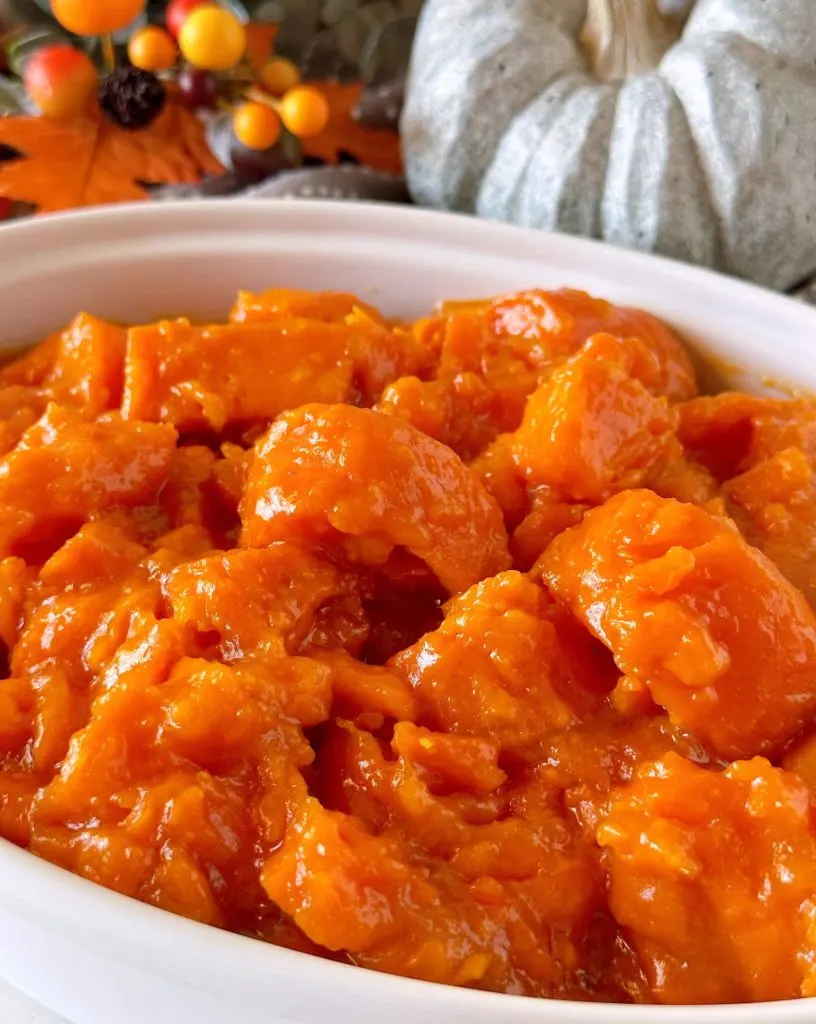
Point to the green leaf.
(13, 99)
(24, 45)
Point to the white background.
(15, 1008)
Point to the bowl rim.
(173, 947)
(448, 229)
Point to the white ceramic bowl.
(99, 958)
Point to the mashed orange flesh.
(479, 650)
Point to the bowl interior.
(134, 264)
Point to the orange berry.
(60, 79)
(152, 49)
(96, 17)
(256, 126)
(305, 111)
(279, 75)
(212, 38)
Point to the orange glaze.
(479, 650)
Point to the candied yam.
(59, 712)
(343, 888)
(15, 579)
(594, 428)
(183, 498)
(801, 760)
(64, 470)
(591, 760)
(468, 763)
(180, 886)
(99, 552)
(774, 506)
(18, 791)
(706, 622)
(496, 468)
(370, 894)
(370, 688)
(494, 667)
(372, 483)
(254, 600)
(81, 367)
(32, 368)
(459, 412)
(219, 376)
(20, 408)
(730, 432)
(549, 516)
(207, 714)
(198, 377)
(88, 597)
(713, 875)
(297, 304)
(17, 708)
(230, 473)
(213, 714)
(492, 357)
(680, 476)
(88, 369)
(471, 391)
(117, 746)
(556, 324)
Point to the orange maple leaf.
(260, 43)
(87, 161)
(375, 147)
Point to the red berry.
(177, 13)
(199, 89)
(60, 79)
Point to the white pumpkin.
(612, 119)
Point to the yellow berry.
(256, 126)
(279, 75)
(305, 111)
(152, 49)
(212, 38)
(96, 17)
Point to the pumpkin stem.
(622, 38)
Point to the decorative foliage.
(350, 55)
(87, 160)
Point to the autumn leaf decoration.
(87, 160)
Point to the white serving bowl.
(100, 958)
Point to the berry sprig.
(202, 48)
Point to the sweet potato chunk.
(713, 874)
(213, 377)
(555, 324)
(689, 610)
(494, 668)
(255, 600)
(64, 470)
(297, 304)
(332, 473)
(89, 366)
(594, 427)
